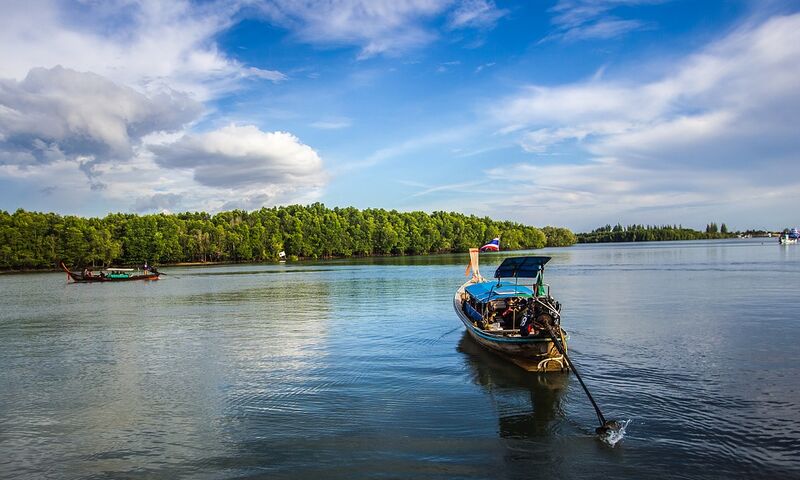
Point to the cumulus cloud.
(58, 112)
(136, 74)
(244, 157)
(719, 125)
(233, 167)
(145, 44)
(378, 26)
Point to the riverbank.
(293, 258)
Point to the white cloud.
(252, 165)
(432, 139)
(146, 44)
(58, 112)
(483, 66)
(272, 75)
(378, 26)
(604, 29)
(592, 19)
(538, 141)
(719, 127)
(133, 76)
(475, 13)
(332, 124)
(233, 167)
(459, 188)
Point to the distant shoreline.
(208, 264)
(306, 259)
(734, 237)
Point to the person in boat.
(87, 273)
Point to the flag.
(493, 246)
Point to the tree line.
(648, 233)
(34, 240)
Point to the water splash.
(613, 436)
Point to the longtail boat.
(522, 323)
(110, 274)
(512, 317)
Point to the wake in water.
(612, 436)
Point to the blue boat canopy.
(524, 267)
(485, 291)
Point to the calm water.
(362, 370)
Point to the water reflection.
(489, 259)
(528, 404)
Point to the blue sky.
(566, 112)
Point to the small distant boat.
(789, 238)
(512, 318)
(111, 274)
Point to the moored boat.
(789, 237)
(111, 274)
(514, 319)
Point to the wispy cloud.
(604, 29)
(475, 13)
(272, 75)
(377, 27)
(459, 188)
(445, 66)
(575, 20)
(484, 66)
(444, 137)
(332, 124)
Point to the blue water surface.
(361, 369)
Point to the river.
(361, 369)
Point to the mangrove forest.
(33, 240)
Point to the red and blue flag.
(493, 246)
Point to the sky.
(575, 113)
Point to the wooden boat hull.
(536, 354)
(78, 277)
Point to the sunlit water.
(362, 370)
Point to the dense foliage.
(39, 240)
(647, 233)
